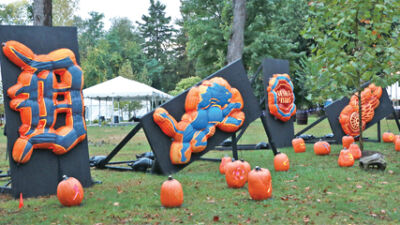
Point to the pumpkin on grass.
(70, 191)
(388, 137)
(171, 193)
(224, 161)
(397, 145)
(345, 159)
(299, 145)
(347, 140)
(281, 162)
(322, 148)
(355, 151)
(260, 184)
(236, 174)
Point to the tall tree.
(355, 42)
(64, 12)
(236, 42)
(157, 33)
(15, 13)
(90, 32)
(42, 12)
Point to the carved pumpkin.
(397, 145)
(355, 151)
(235, 174)
(349, 119)
(347, 141)
(388, 137)
(224, 161)
(322, 148)
(299, 145)
(70, 191)
(281, 97)
(171, 193)
(345, 159)
(281, 162)
(260, 184)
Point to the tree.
(64, 12)
(207, 24)
(184, 84)
(90, 32)
(15, 13)
(42, 12)
(157, 33)
(354, 42)
(236, 42)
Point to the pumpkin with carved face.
(236, 174)
(281, 162)
(345, 159)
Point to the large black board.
(236, 75)
(40, 176)
(333, 111)
(281, 132)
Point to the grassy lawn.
(315, 190)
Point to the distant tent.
(120, 89)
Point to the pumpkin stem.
(170, 177)
(65, 177)
(257, 168)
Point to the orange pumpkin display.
(388, 137)
(349, 117)
(281, 162)
(171, 193)
(235, 174)
(281, 97)
(322, 148)
(395, 138)
(260, 184)
(355, 151)
(347, 141)
(397, 145)
(345, 159)
(299, 145)
(70, 191)
(224, 161)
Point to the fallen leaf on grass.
(116, 204)
(216, 218)
(390, 171)
(383, 211)
(318, 200)
(307, 189)
(306, 219)
(119, 190)
(358, 186)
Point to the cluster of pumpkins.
(350, 151)
(237, 173)
(389, 137)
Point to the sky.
(132, 9)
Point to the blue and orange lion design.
(214, 103)
(48, 86)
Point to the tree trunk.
(236, 42)
(42, 12)
(360, 120)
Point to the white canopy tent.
(120, 89)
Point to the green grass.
(314, 190)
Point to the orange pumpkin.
(246, 166)
(355, 151)
(322, 148)
(235, 174)
(171, 193)
(70, 191)
(345, 159)
(388, 137)
(397, 145)
(260, 184)
(281, 162)
(396, 137)
(299, 145)
(224, 161)
(347, 141)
